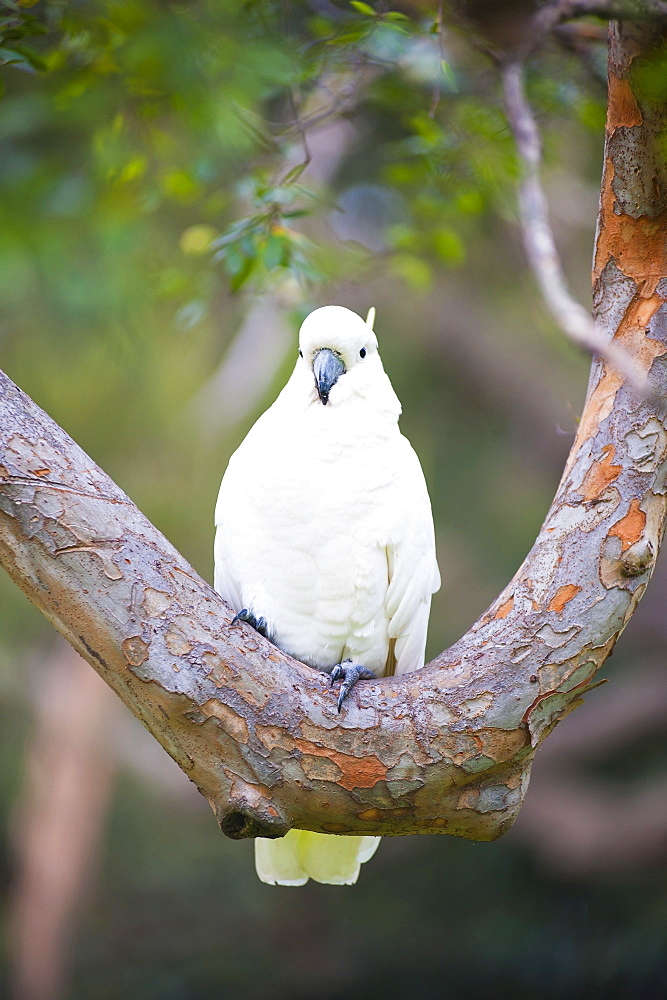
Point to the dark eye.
(362, 352)
(300, 354)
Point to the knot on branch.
(248, 811)
(628, 551)
(241, 824)
(638, 558)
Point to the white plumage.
(324, 528)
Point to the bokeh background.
(180, 182)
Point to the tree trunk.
(443, 750)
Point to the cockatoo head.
(341, 350)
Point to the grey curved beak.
(327, 369)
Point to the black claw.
(262, 627)
(259, 624)
(349, 673)
(337, 673)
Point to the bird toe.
(348, 673)
(259, 624)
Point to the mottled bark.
(444, 750)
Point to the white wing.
(232, 509)
(223, 580)
(413, 570)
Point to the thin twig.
(435, 100)
(538, 237)
(342, 101)
(303, 133)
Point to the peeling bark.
(444, 750)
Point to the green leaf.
(402, 237)
(275, 252)
(281, 194)
(294, 173)
(239, 266)
(353, 34)
(31, 56)
(413, 270)
(9, 56)
(240, 279)
(449, 246)
(363, 8)
(450, 78)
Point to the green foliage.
(264, 242)
(16, 25)
(164, 118)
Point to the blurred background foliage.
(180, 182)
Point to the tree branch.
(444, 750)
(609, 10)
(539, 241)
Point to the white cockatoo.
(324, 543)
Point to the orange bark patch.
(600, 475)
(623, 109)
(357, 772)
(231, 721)
(637, 245)
(319, 768)
(631, 335)
(176, 642)
(505, 608)
(156, 602)
(501, 744)
(597, 409)
(257, 796)
(562, 596)
(631, 527)
(647, 308)
(135, 650)
(631, 332)
(468, 798)
(373, 814)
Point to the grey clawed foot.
(259, 624)
(349, 673)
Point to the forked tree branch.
(444, 750)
